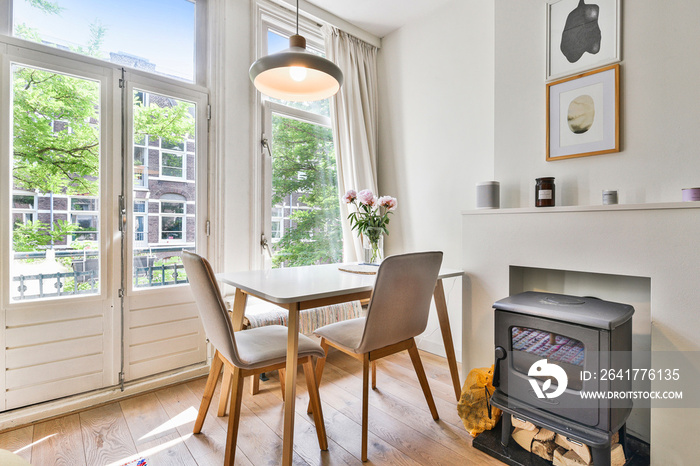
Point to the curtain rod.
(322, 15)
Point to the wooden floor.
(158, 426)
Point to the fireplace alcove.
(647, 250)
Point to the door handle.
(264, 244)
(500, 356)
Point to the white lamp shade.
(271, 76)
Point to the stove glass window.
(530, 345)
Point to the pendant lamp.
(295, 74)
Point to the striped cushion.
(259, 313)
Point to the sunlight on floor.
(151, 451)
(188, 415)
(35, 443)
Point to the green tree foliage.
(304, 163)
(56, 130)
(33, 235)
(46, 160)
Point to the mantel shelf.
(585, 208)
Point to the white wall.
(659, 108)
(232, 131)
(436, 132)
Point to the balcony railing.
(85, 278)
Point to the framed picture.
(581, 35)
(583, 114)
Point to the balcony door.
(59, 303)
(166, 205)
(105, 178)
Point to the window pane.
(172, 208)
(165, 145)
(157, 36)
(55, 253)
(83, 204)
(309, 231)
(23, 202)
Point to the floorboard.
(158, 426)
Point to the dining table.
(308, 287)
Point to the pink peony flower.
(366, 197)
(350, 196)
(389, 202)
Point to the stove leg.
(505, 429)
(601, 456)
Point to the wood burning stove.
(549, 349)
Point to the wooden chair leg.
(255, 385)
(365, 404)
(225, 392)
(320, 363)
(374, 375)
(282, 374)
(214, 372)
(418, 366)
(233, 418)
(315, 402)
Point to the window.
(23, 209)
(84, 212)
(172, 164)
(141, 162)
(156, 36)
(172, 220)
(299, 203)
(140, 223)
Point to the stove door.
(549, 363)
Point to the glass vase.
(373, 246)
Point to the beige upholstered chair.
(243, 353)
(398, 311)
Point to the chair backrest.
(398, 309)
(212, 310)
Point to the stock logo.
(542, 368)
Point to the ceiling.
(379, 17)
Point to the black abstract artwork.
(581, 32)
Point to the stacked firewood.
(559, 449)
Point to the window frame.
(161, 164)
(201, 60)
(282, 21)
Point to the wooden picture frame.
(583, 114)
(577, 43)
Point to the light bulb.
(297, 73)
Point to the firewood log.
(581, 450)
(617, 455)
(524, 438)
(522, 424)
(558, 456)
(543, 449)
(545, 435)
(615, 438)
(572, 459)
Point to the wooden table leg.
(239, 302)
(444, 319)
(290, 383)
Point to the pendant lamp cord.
(297, 17)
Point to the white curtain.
(355, 122)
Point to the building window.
(172, 219)
(141, 161)
(172, 164)
(84, 214)
(140, 223)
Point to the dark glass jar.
(544, 192)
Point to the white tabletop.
(296, 284)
